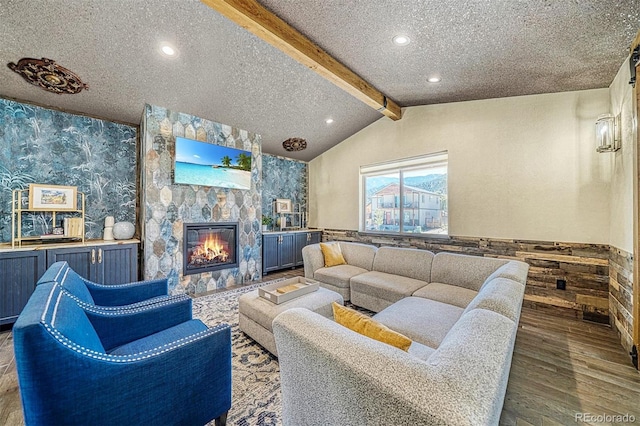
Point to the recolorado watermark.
(604, 418)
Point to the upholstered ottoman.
(256, 314)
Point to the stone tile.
(151, 266)
(206, 212)
(152, 230)
(159, 211)
(166, 196)
(159, 247)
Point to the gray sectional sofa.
(460, 311)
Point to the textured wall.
(621, 195)
(167, 206)
(584, 267)
(39, 145)
(523, 167)
(283, 178)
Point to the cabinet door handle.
(93, 256)
(308, 236)
(99, 255)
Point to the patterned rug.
(255, 372)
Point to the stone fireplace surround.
(167, 206)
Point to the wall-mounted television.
(205, 164)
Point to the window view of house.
(407, 196)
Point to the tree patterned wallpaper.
(283, 178)
(39, 145)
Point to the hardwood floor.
(561, 368)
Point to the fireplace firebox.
(209, 247)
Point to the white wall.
(522, 167)
(621, 204)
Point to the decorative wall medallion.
(295, 144)
(48, 75)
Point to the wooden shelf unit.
(17, 210)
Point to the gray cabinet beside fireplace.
(282, 250)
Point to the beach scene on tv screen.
(205, 164)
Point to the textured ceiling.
(481, 49)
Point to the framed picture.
(283, 205)
(52, 197)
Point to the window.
(406, 196)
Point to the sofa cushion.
(332, 254)
(412, 263)
(462, 270)
(367, 301)
(446, 293)
(513, 270)
(422, 320)
(420, 351)
(360, 255)
(500, 295)
(385, 286)
(338, 276)
(365, 325)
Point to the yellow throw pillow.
(332, 254)
(360, 323)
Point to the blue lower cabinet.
(284, 249)
(278, 251)
(78, 258)
(118, 264)
(21, 269)
(287, 251)
(315, 237)
(103, 264)
(270, 253)
(19, 272)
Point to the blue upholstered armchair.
(149, 365)
(129, 296)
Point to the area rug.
(255, 372)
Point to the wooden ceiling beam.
(256, 19)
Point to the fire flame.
(211, 249)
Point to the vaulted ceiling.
(479, 49)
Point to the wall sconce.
(608, 133)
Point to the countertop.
(291, 231)
(5, 247)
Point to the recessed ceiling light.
(401, 40)
(168, 50)
(329, 120)
(434, 79)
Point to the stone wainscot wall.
(583, 267)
